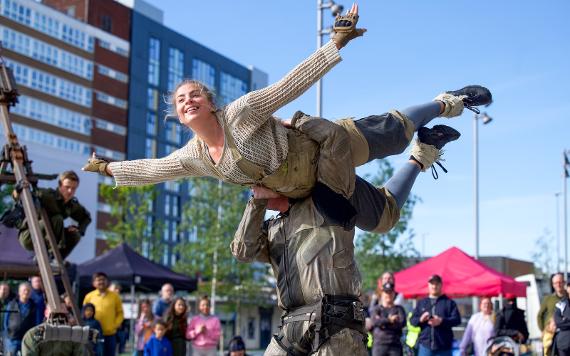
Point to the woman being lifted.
(243, 143)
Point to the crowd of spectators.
(427, 329)
(166, 327)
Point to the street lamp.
(558, 257)
(336, 9)
(485, 119)
(565, 175)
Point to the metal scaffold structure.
(16, 168)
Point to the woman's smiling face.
(192, 104)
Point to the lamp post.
(565, 175)
(485, 119)
(335, 10)
(558, 256)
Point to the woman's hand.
(98, 165)
(345, 27)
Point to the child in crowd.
(158, 344)
(88, 316)
(143, 327)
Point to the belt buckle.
(358, 311)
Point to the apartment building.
(73, 80)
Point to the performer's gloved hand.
(97, 164)
(345, 27)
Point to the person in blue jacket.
(158, 344)
(88, 316)
(435, 315)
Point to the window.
(251, 328)
(150, 148)
(28, 134)
(71, 11)
(111, 127)
(151, 126)
(152, 99)
(114, 48)
(175, 201)
(54, 115)
(154, 61)
(145, 249)
(46, 53)
(106, 23)
(204, 72)
(50, 84)
(167, 205)
(231, 88)
(174, 230)
(106, 152)
(175, 67)
(16, 12)
(68, 30)
(111, 73)
(168, 149)
(172, 186)
(111, 100)
(173, 132)
(165, 256)
(149, 225)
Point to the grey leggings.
(385, 133)
(386, 136)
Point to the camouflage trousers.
(66, 240)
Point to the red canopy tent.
(462, 276)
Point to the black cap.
(387, 287)
(435, 278)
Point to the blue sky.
(412, 51)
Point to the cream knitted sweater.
(259, 137)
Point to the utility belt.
(325, 318)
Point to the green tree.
(211, 218)
(376, 253)
(131, 208)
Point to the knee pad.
(390, 214)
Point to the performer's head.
(68, 183)
(192, 101)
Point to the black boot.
(431, 141)
(438, 136)
(473, 95)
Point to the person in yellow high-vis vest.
(412, 334)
